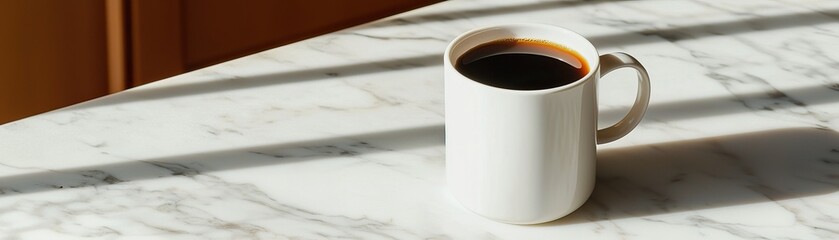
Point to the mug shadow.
(682, 176)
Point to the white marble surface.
(341, 136)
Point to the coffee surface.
(522, 64)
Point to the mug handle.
(608, 63)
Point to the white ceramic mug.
(528, 156)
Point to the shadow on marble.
(684, 176)
(190, 165)
(782, 99)
(238, 83)
(731, 27)
(330, 72)
(635, 37)
(456, 14)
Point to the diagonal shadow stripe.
(715, 106)
(443, 16)
(324, 73)
(189, 165)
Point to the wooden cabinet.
(55, 53)
(51, 55)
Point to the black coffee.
(522, 64)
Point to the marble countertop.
(341, 136)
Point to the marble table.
(341, 136)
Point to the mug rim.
(594, 64)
